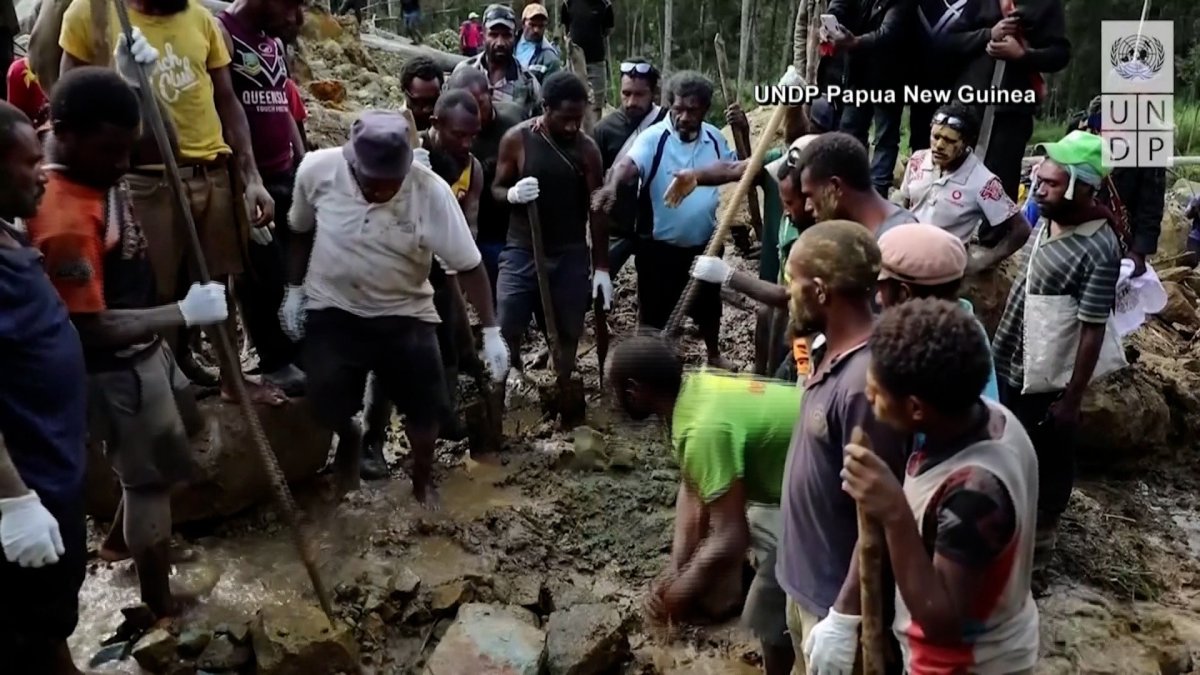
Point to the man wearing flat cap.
(510, 81)
(367, 223)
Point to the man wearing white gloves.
(368, 222)
(554, 167)
(95, 255)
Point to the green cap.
(1077, 147)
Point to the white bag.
(1137, 297)
(1051, 338)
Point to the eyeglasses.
(639, 68)
(955, 123)
(793, 157)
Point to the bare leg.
(348, 456)
(114, 548)
(423, 440)
(148, 533)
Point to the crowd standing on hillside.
(351, 266)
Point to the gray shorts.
(518, 297)
(135, 412)
(765, 611)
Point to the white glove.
(832, 645)
(495, 353)
(421, 156)
(28, 532)
(204, 305)
(291, 312)
(262, 235)
(602, 287)
(711, 269)
(138, 55)
(792, 78)
(525, 191)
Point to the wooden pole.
(870, 577)
(741, 137)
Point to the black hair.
(932, 350)
(454, 100)
(967, 115)
(843, 253)
(689, 83)
(651, 77)
(840, 155)
(88, 97)
(945, 291)
(463, 78)
(563, 87)
(648, 359)
(11, 118)
(420, 68)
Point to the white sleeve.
(303, 215)
(445, 231)
(995, 203)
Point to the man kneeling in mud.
(731, 435)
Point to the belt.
(186, 171)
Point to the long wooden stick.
(870, 578)
(716, 244)
(741, 135)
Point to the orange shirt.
(69, 230)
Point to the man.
(193, 79)
(947, 185)
(411, 11)
(671, 238)
(421, 80)
(554, 170)
(43, 429)
(833, 267)
(470, 35)
(510, 82)
(26, 93)
(253, 32)
(1074, 254)
(836, 184)
(96, 257)
(534, 52)
(495, 121)
(874, 45)
(615, 134)
(588, 23)
(959, 532)
(731, 436)
(368, 202)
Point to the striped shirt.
(1082, 262)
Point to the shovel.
(870, 575)
(486, 430)
(601, 318)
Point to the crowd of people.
(350, 268)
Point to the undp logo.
(1137, 57)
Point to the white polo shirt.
(373, 259)
(957, 201)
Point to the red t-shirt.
(25, 93)
(295, 103)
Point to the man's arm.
(122, 327)
(302, 221)
(771, 295)
(299, 145)
(890, 30)
(508, 171)
(478, 290)
(1096, 303)
(721, 172)
(1016, 234)
(11, 484)
(452, 242)
(593, 167)
(237, 132)
(691, 522)
(725, 544)
(471, 203)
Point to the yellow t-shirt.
(189, 45)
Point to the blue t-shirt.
(43, 394)
(693, 221)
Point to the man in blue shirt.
(537, 54)
(671, 238)
(43, 429)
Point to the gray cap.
(378, 146)
(499, 15)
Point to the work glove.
(204, 305)
(602, 287)
(421, 156)
(832, 645)
(792, 78)
(131, 57)
(29, 533)
(291, 312)
(495, 353)
(262, 235)
(711, 269)
(525, 191)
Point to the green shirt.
(727, 427)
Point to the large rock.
(491, 639)
(585, 640)
(298, 640)
(156, 651)
(1123, 417)
(230, 477)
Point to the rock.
(489, 639)
(320, 25)
(585, 640)
(229, 477)
(403, 584)
(332, 91)
(298, 640)
(193, 641)
(238, 632)
(589, 450)
(524, 591)
(156, 651)
(446, 597)
(1123, 416)
(623, 459)
(223, 654)
(562, 594)
(1181, 306)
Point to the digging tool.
(568, 395)
(717, 243)
(601, 317)
(741, 136)
(989, 114)
(870, 577)
(488, 438)
(283, 496)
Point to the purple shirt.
(259, 72)
(819, 520)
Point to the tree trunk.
(744, 43)
(800, 38)
(700, 52)
(668, 9)
(754, 76)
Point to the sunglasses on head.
(955, 123)
(793, 157)
(639, 68)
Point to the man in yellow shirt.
(192, 80)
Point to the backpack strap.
(658, 155)
(716, 145)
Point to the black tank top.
(563, 199)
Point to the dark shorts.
(341, 348)
(41, 605)
(663, 271)
(765, 610)
(135, 412)
(570, 289)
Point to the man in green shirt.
(731, 435)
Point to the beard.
(803, 322)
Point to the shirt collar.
(1087, 229)
(822, 374)
(959, 175)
